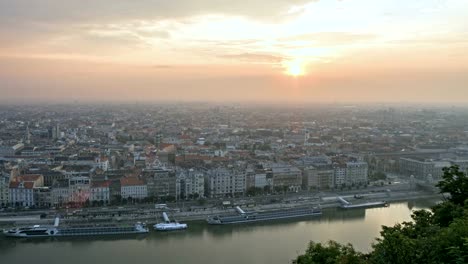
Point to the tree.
(202, 201)
(253, 191)
(454, 182)
(331, 253)
(378, 176)
(117, 199)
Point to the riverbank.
(151, 216)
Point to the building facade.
(21, 194)
(161, 182)
(79, 189)
(422, 169)
(21, 189)
(340, 175)
(287, 177)
(133, 187)
(319, 177)
(60, 193)
(226, 182)
(4, 189)
(100, 192)
(356, 173)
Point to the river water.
(272, 242)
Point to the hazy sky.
(224, 50)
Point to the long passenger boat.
(347, 205)
(76, 230)
(249, 217)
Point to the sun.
(294, 68)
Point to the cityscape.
(90, 156)
(215, 131)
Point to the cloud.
(254, 58)
(445, 39)
(109, 10)
(331, 38)
(162, 66)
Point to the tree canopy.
(439, 235)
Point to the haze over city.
(260, 51)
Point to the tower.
(27, 136)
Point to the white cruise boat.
(168, 225)
(75, 230)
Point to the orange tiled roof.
(100, 184)
(28, 177)
(131, 181)
(16, 184)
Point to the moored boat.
(167, 225)
(170, 226)
(348, 205)
(249, 217)
(364, 205)
(75, 230)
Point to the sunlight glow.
(295, 68)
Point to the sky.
(249, 51)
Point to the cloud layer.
(205, 48)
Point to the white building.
(195, 183)
(356, 173)
(133, 187)
(226, 182)
(190, 184)
(21, 193)
(260, 180)
(100, 192)
(340, 176)
(21, 189)
(102, 163)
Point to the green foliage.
(454, 182)
(331, 253)
(201, 201)
(254, 191)
(436, 236)
(378, 176)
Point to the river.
(273, 242)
